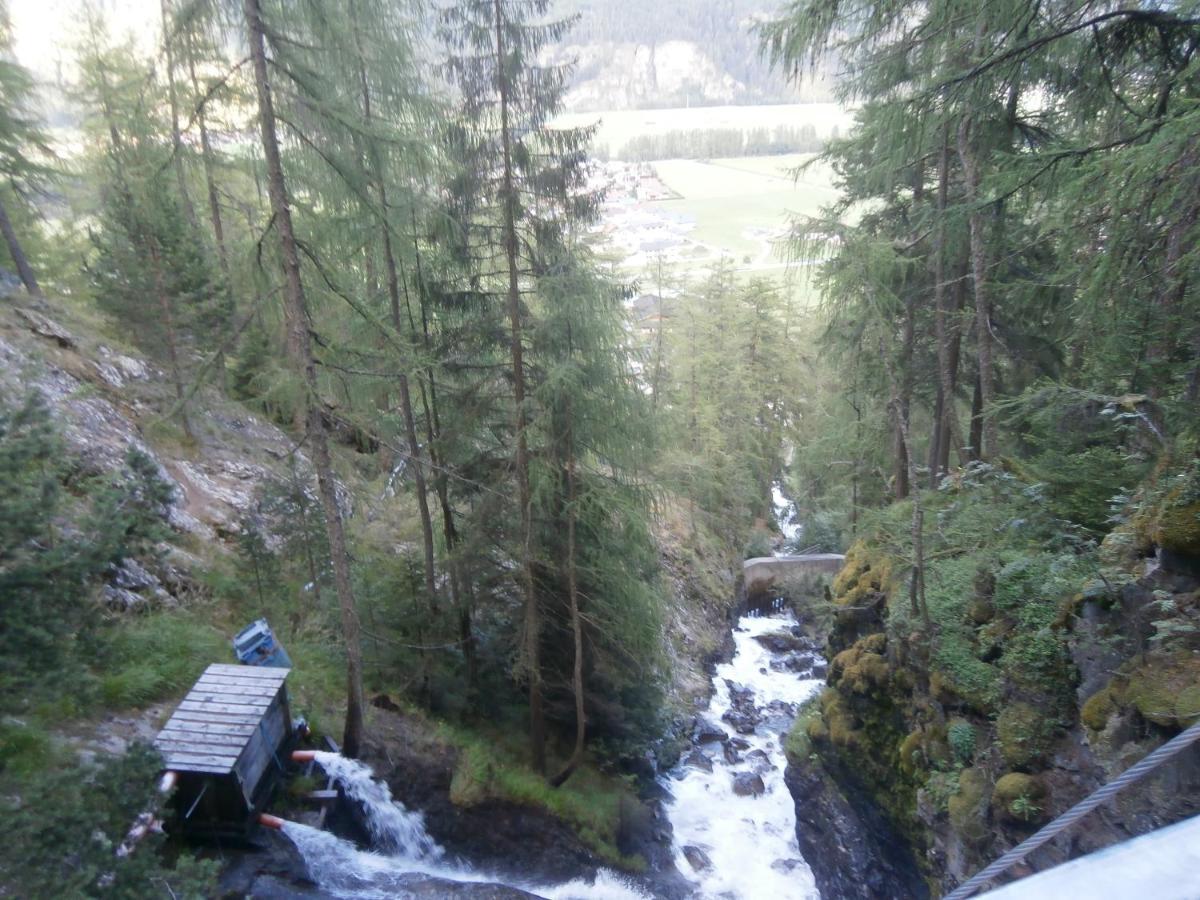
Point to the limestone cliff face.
(106, 399)
(1049, 674)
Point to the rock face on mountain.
(107, 400)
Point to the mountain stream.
(733, 818)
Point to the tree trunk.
(303, 360)
(979, 271)
(168, 324)
(173, 99)
(24, 270)
(948, 431)
(406, 409)
(905, 464)
(533, 624)
(658, 342)
(576, 625)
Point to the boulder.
(759, 761)
(782, 642)
(698, 760)
(748, 784)
(697, 858)
(731, 755)
(706, 732)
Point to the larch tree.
(536, 176)
(300, 348)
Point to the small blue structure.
(255, 645)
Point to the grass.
(490, 768)
(158, 655)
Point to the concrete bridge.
(763, 573)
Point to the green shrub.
(961, 735)
(62, 829)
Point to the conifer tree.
(300, 348)
(536, 175)
(23, 147)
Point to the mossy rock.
(860, 669)
(874, 643)
(924, 749)
(864, 573)
(816, 730)
(912, 752)
(1025, 735)
(1166, 690)
(942, 690)
(981, 611)
(1099, 707)
(1020, 798)
(1178, 529)
(968, 807)
(868, 673)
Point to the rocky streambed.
(733, 818)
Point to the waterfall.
(394, 829)
(784, 510)
(735, 836)
(404, 853)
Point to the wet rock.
(731, 755)
(706, 732)
(852, 850)
(739, 744)
(697, 858)
(820, 669)
(783, 642)
(787, 865)
(778, 716)
(742, 722)
(759, 761)
(748, 784)
(698, 760)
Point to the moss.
(874, 643)
(864, 573)
(968, 807)
(924, 749)
(799, 741)
(912, 752)
(1025, 735)
(1178, 529)
(816, 730)
(1020, 798)
(1166, 690)
(860, 669)
(1099, 707)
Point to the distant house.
(649, 309)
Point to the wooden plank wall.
(230, 710)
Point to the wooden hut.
(228, 741)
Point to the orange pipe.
(304, 755)
(269, 821)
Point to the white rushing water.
(748, 843)
(784, 509)
(404, 850)
(731, 847)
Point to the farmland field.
(739, 204)
(617, 127)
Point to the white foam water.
(405, 851)
(785, 511)
(749, 841)
(394, 829)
